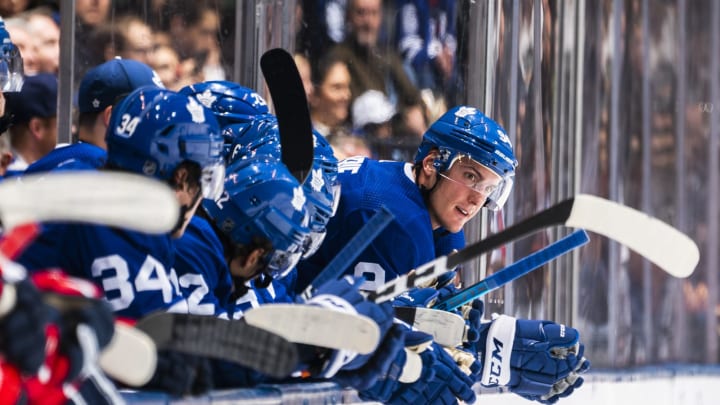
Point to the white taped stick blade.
(446, 328)
(130, 357)
(660, 243)
(317, 326)
(123, 200)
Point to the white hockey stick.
(660, 243)
(317, 326)
(130, 357)
(123, 200)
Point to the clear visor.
(495, 193)
(11, 69)
(496, 200)
(212, 181)
(281, 262)
(315, 239)
(335, 190)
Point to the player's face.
(460, 193)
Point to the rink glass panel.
(617, 98)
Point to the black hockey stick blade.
(291, 109)
(233, 341)
(660, 243)
(351, 250)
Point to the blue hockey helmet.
(11, 63)
(229, 101)
(261, 136)
(153, 130)
(323, 191)
(322, 187)
(234, 106)
(263, 199)
(466, 132)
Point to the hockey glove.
(539, 360)
(379, 363)
(449, 384)
(23, 318)
(413, 364)
(76, 302)
(343, 295)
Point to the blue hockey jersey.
(404, 244)
(78, 156)
(202, 271)
(133, 269)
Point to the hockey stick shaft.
(515, 270)
(660, 243)
(122, 200)
(292, 111)
(352, 250)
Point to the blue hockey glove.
(379, 363)
(417, 297)
(539, 360)
(22, 326)
(344, 295)
(412, 364)
(472, 313)
(449, 384)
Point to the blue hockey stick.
(515, 270)
(350, 252)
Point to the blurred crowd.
(376, 72)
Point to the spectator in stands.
(131, 38)
(90, 16)
(376, 68)
(11, 8)
(21, 37)
(34, 131)
(372, 116)
(45, 32)
(425, 36)
(193, 29)
(330, 98)
(166, 63)
(303, 65)
(345, 145)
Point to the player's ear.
(180, 178)
(427, 163)
(255, 256)
(106, 115)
